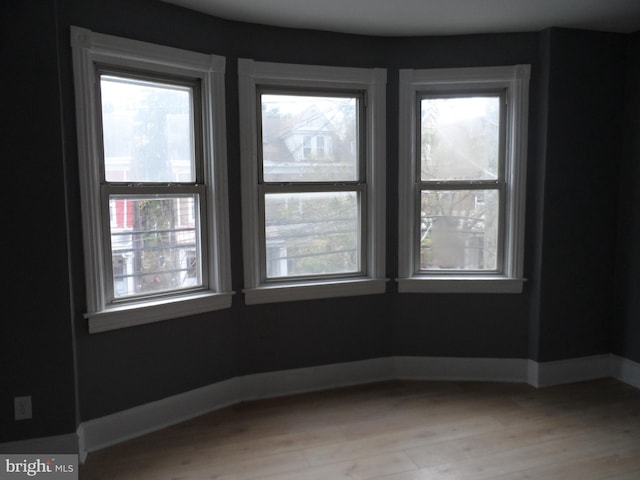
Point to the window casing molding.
(92, 51)
(514, 81)
(254, 76)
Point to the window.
(313, 144)
(463, 136)
(151, 144)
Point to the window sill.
(460, 284)
(113, 318)
(314, 290)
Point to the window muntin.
(461, 180)
(152, 153)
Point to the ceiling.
(427, 17)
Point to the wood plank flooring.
(398, 431)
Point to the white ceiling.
(428, 17)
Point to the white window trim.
(90, 48)
(515, 80)
(372, 81)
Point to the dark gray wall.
(563, 312)
(36, 347)
(585, 74)
(627, 328)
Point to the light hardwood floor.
(398, 431)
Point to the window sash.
(499, 187)
(193, 84)
(461, 94)
(155, 192)
(360, 98)
(358, 189)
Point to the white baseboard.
(112, 429)
(59, 444)
(547, 374)
(324, 377)
(626, 370)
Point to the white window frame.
(372, 82)
(514, 80)
(90, 50)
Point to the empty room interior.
(323, 240)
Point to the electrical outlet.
(22, 408)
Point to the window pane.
(148, 131)
(154, 244)
(309, 138)
(459, 229)
(312, 233)
(460, 138)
